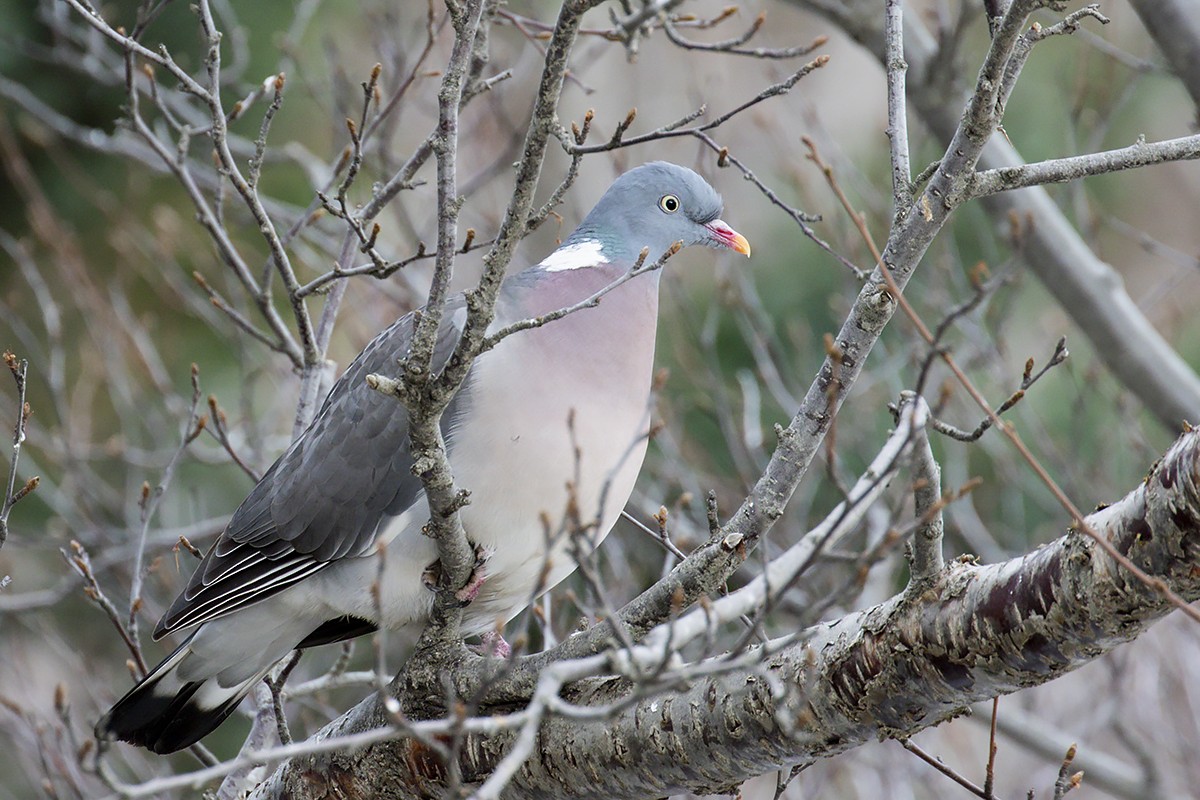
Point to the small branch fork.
(636, 25)
(734, 46)
(1028, 378)
(677, 128)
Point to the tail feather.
(165, 714)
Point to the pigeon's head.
(654, 206)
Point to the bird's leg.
(478, 576)
(493, 643)
(432, 574)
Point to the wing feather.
(326, 497)
(266, 583)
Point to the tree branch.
(19, 367)
(897, 129)
(907, 243)
(1060, 170)
(892, 670)
(425, 408)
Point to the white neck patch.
(587, 253)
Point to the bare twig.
(897, 129)
(12, 495)
(726, 158)
(1029, 378)
(1067, 781)
(1059, 170)
(927, 561)
(734, 46)
(677, 128)
(219, 428)
(79, 560)
(639, 268)
(989, 773)
(942, 768)
(193, 426)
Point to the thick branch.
(891, 670)
(895, 669)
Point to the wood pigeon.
(547, 433)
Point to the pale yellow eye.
(669, 203)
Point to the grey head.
(654, 206)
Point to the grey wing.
(326, 497)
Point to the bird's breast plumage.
(563, 424)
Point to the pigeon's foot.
(432, 575)
(468, 593)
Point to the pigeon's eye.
(669, 203)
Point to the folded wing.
(326, 497)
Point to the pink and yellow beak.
(726, 236)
